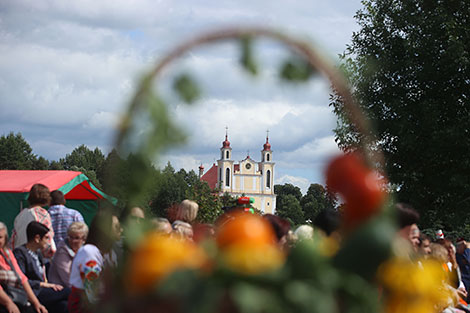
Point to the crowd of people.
(54, 261)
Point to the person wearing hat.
(463, 260)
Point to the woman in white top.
(89, 262)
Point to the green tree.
(315, 200)
(56, 165)
(40, 163)
(288, 189)
(85, 160)
(122, 178)
(409, 68)
(210, 204)
(288, 207)
(15, 153)
(171, 189)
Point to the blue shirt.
(61, 218)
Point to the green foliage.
(187, 88)
(227, 200)
(15, 153)
(247, 59)
(288, 207)
(288, 189)
(40, 163)
(296, 70)
(83, 157)
(171, 189)
(210, 204)
(316, 200)
(121, 179)
(290, 200)
(56, 165)
(378, 233)
(409, 67)
(87, 161)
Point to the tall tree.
(40, 163)
(288, 189)
(288, 207)
(85, 160)
(171, 189)
(210, 203)
(315, 200)
(15, 153)
(409, 67)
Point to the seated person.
(54, 297)
(8, 265)
(59, 272)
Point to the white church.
(247, 177)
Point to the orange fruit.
(158, 256)
(245, 228)
(249, 259)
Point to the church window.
(227, 177)
(220, 174)
(268, 179)
(221, 154)
(267, 157)
(227, 155)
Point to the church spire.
(226, 143)
(267, 145)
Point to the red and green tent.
(79, 192)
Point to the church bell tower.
(225, 166)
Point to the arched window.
(267, 157)
(220, 174)
(227, 155)
(227, 177)
(268, 179)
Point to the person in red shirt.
(6, 257)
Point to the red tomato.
(360, 187)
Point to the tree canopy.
(16, 153)
(409, 67)
(298, 208)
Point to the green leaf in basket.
(250, 298)
(187, 88)
(306, 296)
(247, 60)
(367, 247)
(296, 70)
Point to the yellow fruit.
(253, 259)
(159, 255)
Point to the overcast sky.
(68, 69)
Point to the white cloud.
(68, 69)
(301, 182)
(102, 120)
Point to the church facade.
(247, 177)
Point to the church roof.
(211, 176)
